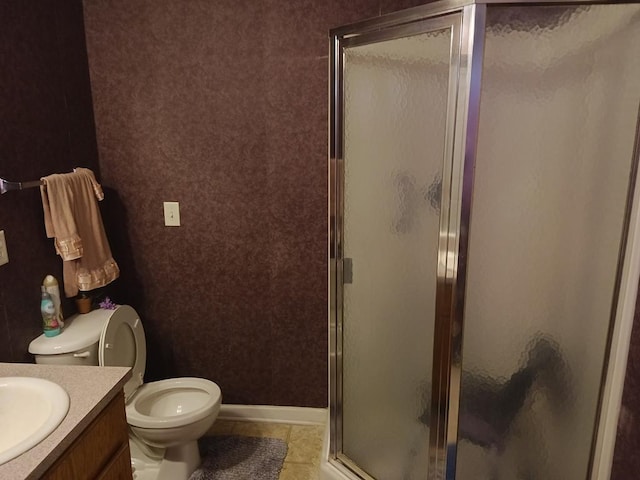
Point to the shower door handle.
(347, 270)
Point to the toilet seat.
(173, 402)
(122, 344)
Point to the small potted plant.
(83, 302)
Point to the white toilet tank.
(77, 344)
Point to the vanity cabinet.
(100, 452)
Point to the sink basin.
(30, 409)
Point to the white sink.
(30, 409)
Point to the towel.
(72, 218)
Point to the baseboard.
(273, 414)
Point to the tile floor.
(304, 444)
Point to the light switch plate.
(172, 214)
(4, 256)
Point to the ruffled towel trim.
(98, 277)
(69, 248)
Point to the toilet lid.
(122, 344)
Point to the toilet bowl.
(167, 417)
(169, 412)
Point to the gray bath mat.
(240, 458)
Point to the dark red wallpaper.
(222, 106)
(47, 127)
(626, 461)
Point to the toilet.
(166, 418)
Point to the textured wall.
(47, 127)
(222, 106)
(626, 461)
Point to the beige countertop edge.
(90, 389)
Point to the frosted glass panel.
(559, 104)
(395, 96)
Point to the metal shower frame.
(467, 22)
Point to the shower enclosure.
(483, 216)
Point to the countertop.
(90, 389)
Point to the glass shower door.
(399, 89)
(556, 134)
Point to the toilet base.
(173, 463)
(179, 462)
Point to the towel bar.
(6, 185)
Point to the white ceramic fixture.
(30, 409)
(166, 417)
